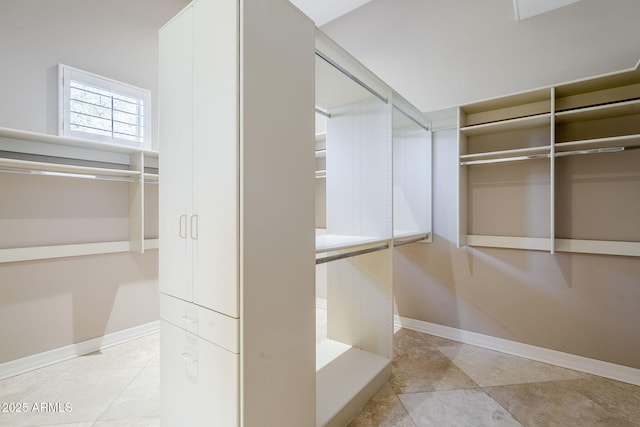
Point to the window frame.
(66, 74)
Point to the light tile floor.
(118, 386)
(435, 382)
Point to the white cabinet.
(201, 377)
(199, 197)
(236, 215)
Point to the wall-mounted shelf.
(64, 251)
(574, 130)
(614, 109)
(44, 138)
(613, 141)
(53, 156)
(517, 154)
(507, 125)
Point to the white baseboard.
(25, 364)
(553, 357)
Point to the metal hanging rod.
(504, 159)
(323, 112)
(337, 257)
(74, 175)
(400, 110)
(351, 76)
(408, 241)
(591, 151)
(543, 156)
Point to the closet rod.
(408, 241)
(323, 112)
(351, 76)
(591, 151)
(400, 110)
(504, 159)
(74, 175)
(351, 254)
(557, 154)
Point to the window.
(99, 109)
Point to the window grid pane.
(101, 112)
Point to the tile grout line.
(120, 394)
(500, 405)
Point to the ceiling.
(328, 10)
(442, 53)
(523, 9)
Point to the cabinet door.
(175, 192)
(215, 155)
(199, 381)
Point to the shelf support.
(136, 205)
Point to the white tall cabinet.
(237, 215)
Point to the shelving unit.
(355, 244)
(52, 156)
(373, 149)
(505, 153)
(597, 132)
(576, 182)
(412, 179)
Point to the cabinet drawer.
(215, 327)
(198, 381)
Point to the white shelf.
(151, 178)
(321, 137)
(335, 242)
(614, 141)
(511, 242)
(409, 234)
(72, 142)
(598, 247)
(63, 251)
(346, 378)
(506, 155)
(508, 125)
(599, 111)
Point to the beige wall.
(579, 304)
(444, 53)
(117, 39)
(53, 303)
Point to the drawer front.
(198, 381)
(213, 326)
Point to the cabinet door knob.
(183, 226)
(189, 357)
(194, 227)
